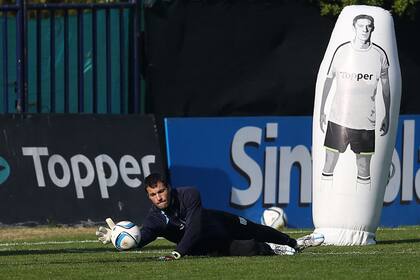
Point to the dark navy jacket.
(194, 229)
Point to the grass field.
(74, 253)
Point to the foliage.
(11, 2)
(401, 8)
(45, 13)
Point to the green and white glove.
(104, 233)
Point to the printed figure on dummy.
(357, 67)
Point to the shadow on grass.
(159, 247)
(57, 251)
(90, 261)
(402, 241)
(76, 251)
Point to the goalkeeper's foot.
(310, 240)
(282, 249)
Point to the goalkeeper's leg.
(249, 248)
(244, 229)
(264, 233)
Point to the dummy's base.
(346, 237)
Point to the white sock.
(363, 183)
(327, 180)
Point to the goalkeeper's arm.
(104, 234)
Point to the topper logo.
(83, 170)
(355, 76)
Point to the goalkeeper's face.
(159, 195)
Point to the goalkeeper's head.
(158, 190)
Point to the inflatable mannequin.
(357, 102)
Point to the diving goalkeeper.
(178, 216)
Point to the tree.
(401, 8)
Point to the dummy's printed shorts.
(362, 141)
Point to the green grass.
(72, 253)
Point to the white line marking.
(147, 252)
(399, 229)
(364, 253)
(379, 229)
(46, 243)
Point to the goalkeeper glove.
(173, 256)
(104, 233)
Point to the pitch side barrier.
(246, 164)
(76, 168)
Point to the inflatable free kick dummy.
(357, 100)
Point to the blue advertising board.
(243, 165)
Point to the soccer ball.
(274, 217)
(125, 235)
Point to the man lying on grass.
(178, 216)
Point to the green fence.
(47, 89)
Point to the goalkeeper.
(178, 216)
